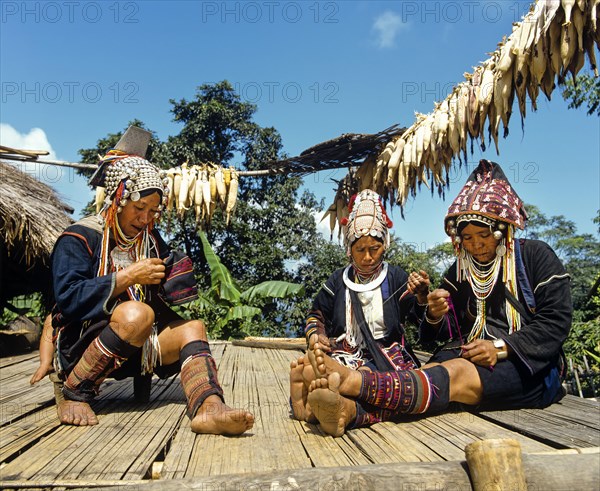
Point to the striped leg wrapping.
(405, 391)
(367, 415)
(199, 380)
(91, 370)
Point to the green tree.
(324, 258)
(585, 89)
(580, 253)
(273, 228)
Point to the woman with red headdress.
(113, 278)
(359, 314)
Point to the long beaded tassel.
(151, 352)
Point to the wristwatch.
(500, 344)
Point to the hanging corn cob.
(231, 195)
(338, 210)
(100, 195)
(203, 187)
(553, 40)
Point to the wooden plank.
(573, 422)
(23, 433)
(269, 344)
(403, 444)
(7, 361)
(36, 448)
(260, 379)
(17, 397)
(178, 456)
(138, 431)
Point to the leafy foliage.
(231, 311)
(584, 89)
(583, 351)
(30, 305)
(580, 253)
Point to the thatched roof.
(31, 219)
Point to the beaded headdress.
(125, 173)
(367, 217)
(488, 199)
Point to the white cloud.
(71, 187)
(36, 139)
(387, 26)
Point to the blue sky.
(71, 72)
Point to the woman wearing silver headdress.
(360, 312)
(113, 278)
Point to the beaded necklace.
(127, 250)
(363, 277)
(482, 278)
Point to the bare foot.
(322, 363)
(216, 418)
(76, 413)
(299, 390)
(333, 411)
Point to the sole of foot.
(333, 411)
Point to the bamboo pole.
(576, 375)
(59, 163)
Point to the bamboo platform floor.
(135, 442)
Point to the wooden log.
(496, 464)
(550, 472)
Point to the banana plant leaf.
(241, 312)
(203, 302)
(221, 279)
(272, 289)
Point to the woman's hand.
(146, 272)
(481, 352)
(324, 343)
(418, 285)
(437, 304)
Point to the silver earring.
(497, 235)
(500, 250)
